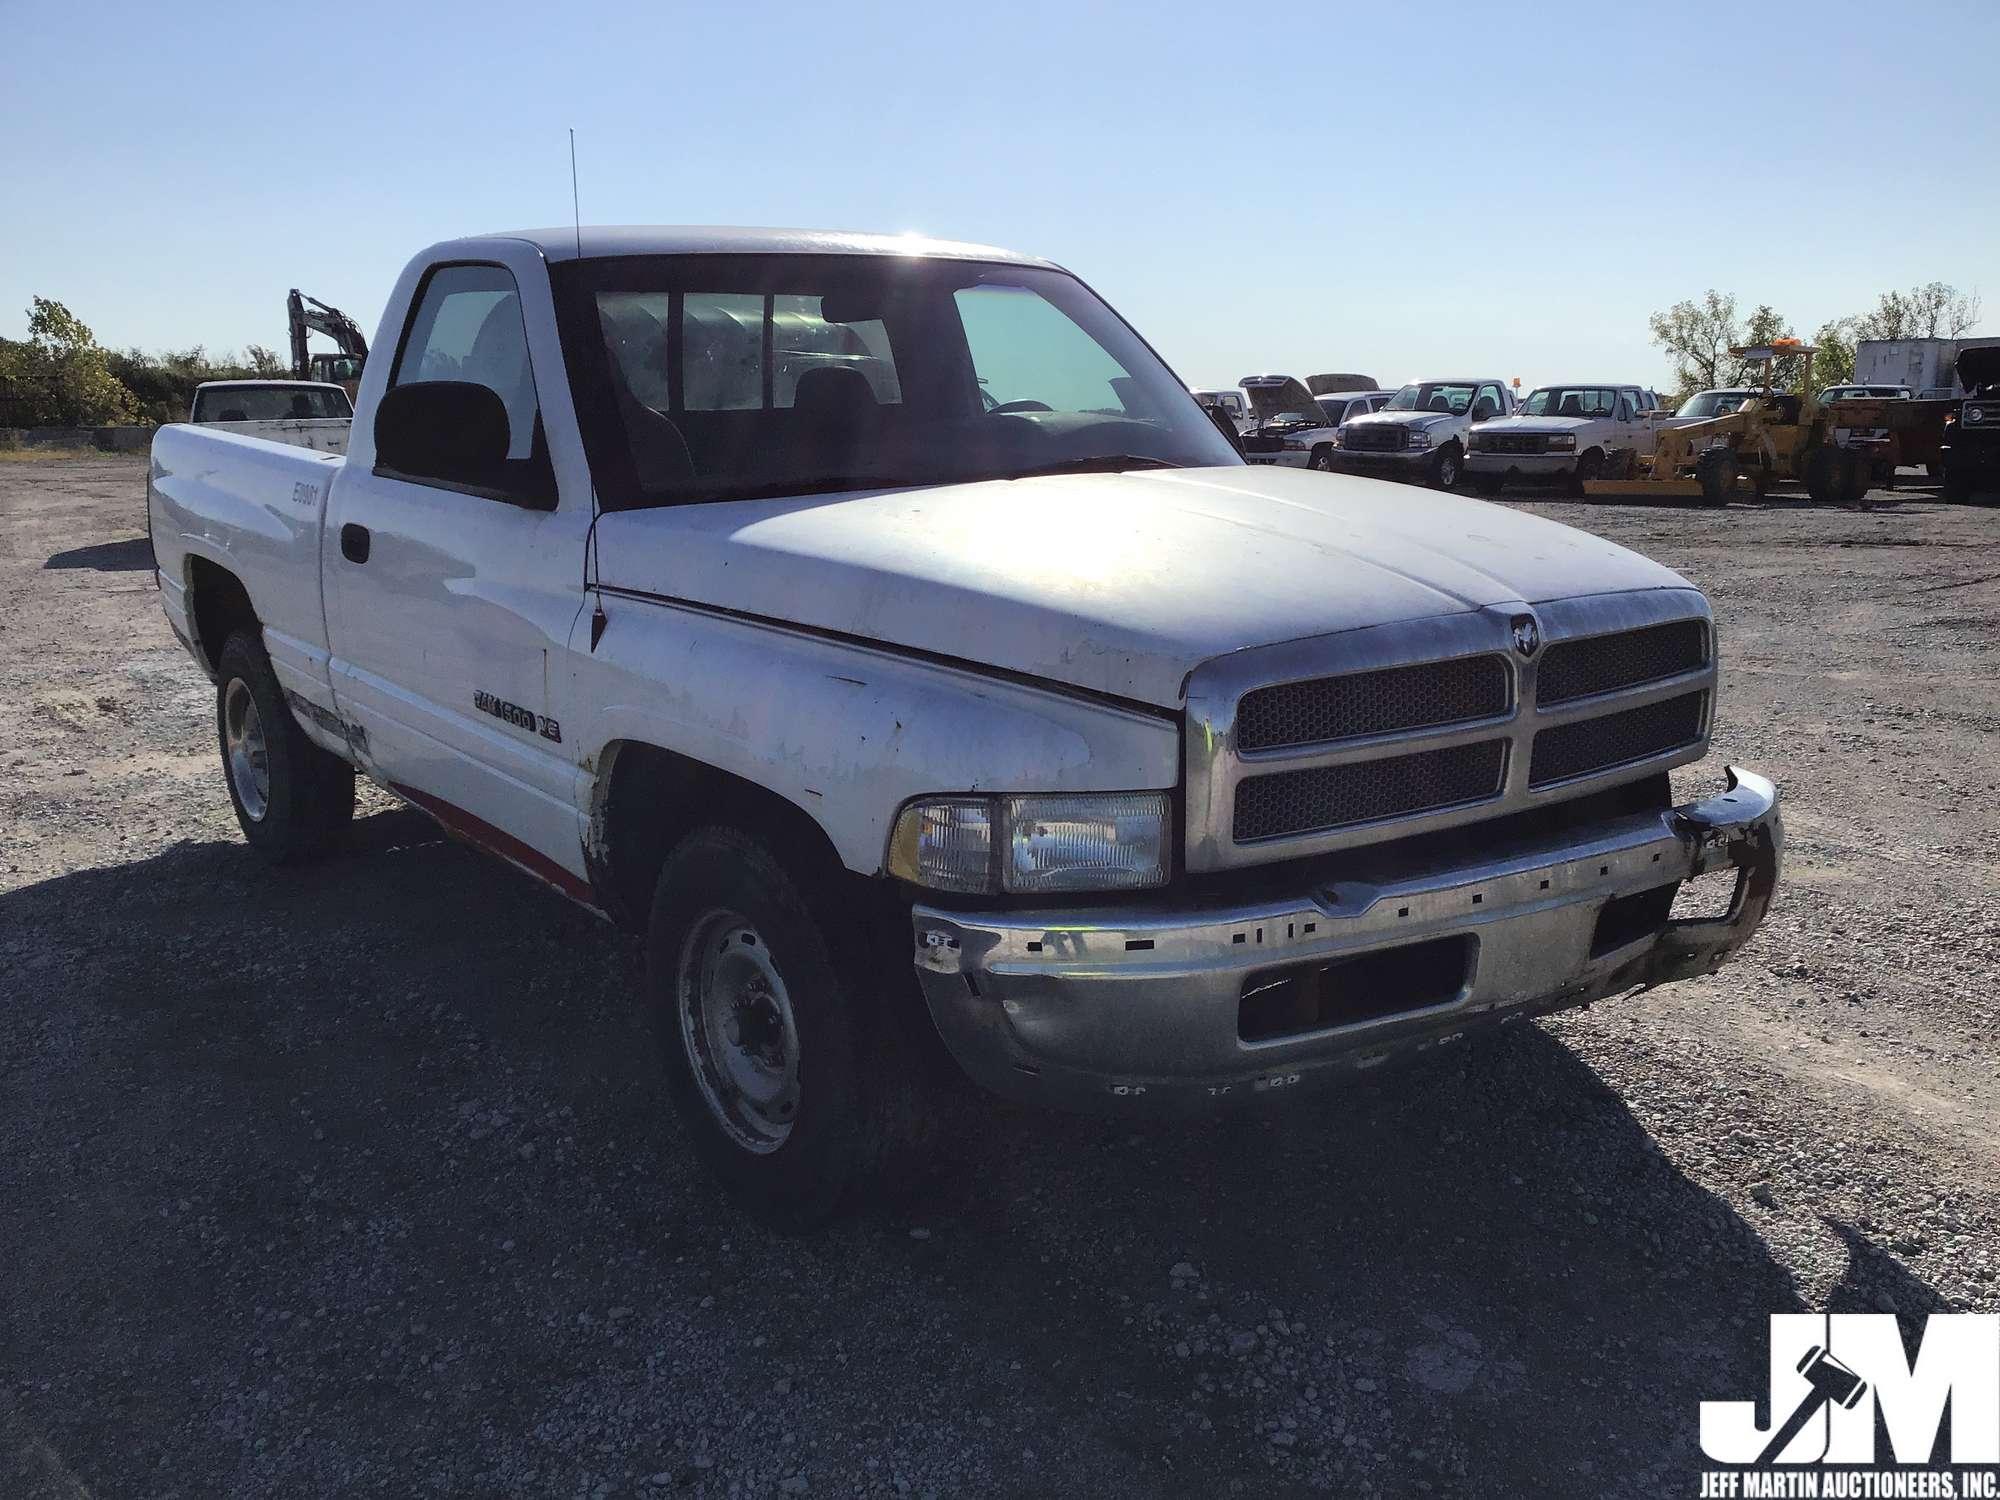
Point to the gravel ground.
(359, 1180)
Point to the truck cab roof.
(596, 242)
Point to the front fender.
(846, 733)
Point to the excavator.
(310, 315)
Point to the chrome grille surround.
(1217, 768)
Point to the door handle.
(354, 543)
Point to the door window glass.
(468, 327)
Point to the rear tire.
(1825, 474)
(1855, 476)
(794, 1085)
(292, 798)
(1716, 472)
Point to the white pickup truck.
(1421, 432)
(303, 413)
(881, 629)
(1573, 432)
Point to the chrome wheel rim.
(1448, 470)
(738, 1030)
(1321, 462)
(244, 749)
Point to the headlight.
(1116, 841)
(1294, 445)
(1974, 415)
(1420, 437)
(1339, 438)
(1562, 442)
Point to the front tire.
(1322, 460)
(791, 1083)
(292, 798)
(1446, 467)
(1589, 466)
(1716, 472)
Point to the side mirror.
(442, 429)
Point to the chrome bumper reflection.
(1139, 1007)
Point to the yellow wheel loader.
(1774, 435)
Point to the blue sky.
(1452, 189)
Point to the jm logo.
(1831, 1374)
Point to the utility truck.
(882, 630)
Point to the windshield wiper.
(1097, 463)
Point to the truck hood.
(1406, 418)
(1118, 584)
(1534, 424)
(1979, 366)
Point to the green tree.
(1696, 335)
(1935, 310)
(1834, 364)
(60, 377)
(1767, 326)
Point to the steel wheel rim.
(244, 747)
(738, 1031)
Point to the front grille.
(1381, 437)
(1322, 797)
(1256, 443)
(1512, 442)
(1363, 703)
(1607, 663)
(1617, 739)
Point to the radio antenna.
(576, 212)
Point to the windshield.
(1712, 404)
(717, 377)
(1572, 401)
(1444, 396)
(269, 403)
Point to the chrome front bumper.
(1368, 460)
(1137, 1008)
(1535, 465)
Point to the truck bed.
(255, 507)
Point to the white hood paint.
(1536, 424)
(1405, 418)
(1112, 583)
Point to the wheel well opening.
(648, 799)
(221, 606)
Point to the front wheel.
(292, 798)
(1716, 472)
(1322, 460)
(1589, 466)
(1445, 467)
(790, 1081)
